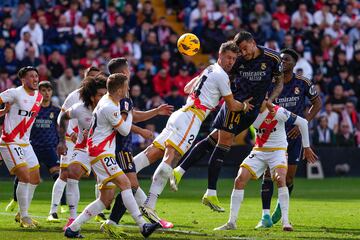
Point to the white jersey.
(71, 99)
(106, 118)
(19, 120)
(213, 84)
(83, 115)
(270, 129)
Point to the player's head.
(91, 72)
(29, 77)
(46, 90)
(289, 59)
(119, 65)
(227, 55)
(118, 84)
(246, 43)
(93, 88)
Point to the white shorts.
(65, 159)
(180, 131)
(81, 157)
(105, 168)
(258, 161)
(16, 156)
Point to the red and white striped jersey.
(19, 120)
(83, 115)
(106, 118)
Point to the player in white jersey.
(107, 119)
(184, 124)
(269, 151)
(93, 88)
(15, 147)
(71, 136)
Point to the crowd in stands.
(64, 37)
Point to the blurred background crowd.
(64, 37)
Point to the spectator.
(175, 99)
(139, 101)
(151, 47)
(257, 32)
(112, 18)
(67, 83)
(133, 46)
(79, 45)
(335, 32)
(276, 33)
(63, 35)
(73, 14)
(95, 12)
(165, 62)
(154, 102)
(181, 80)
(8, 31)
(90, 59)
(147, 14)
(31, 59)
(354, 65)
(35, 31)
(44, 74)
(143, 31)
(344, 45)
(303, 64)
(332, 117)
(9, 63)
(233, 28)
(354, 33)
(302, 15)
(54, 65)
(162, 83)
(118, 48)
(337, 99)
(345, 138)
(23, 46)
(262, 16)
(349, 17)
(163, 31)
(282, 17)
(5, 81)
(351, 117)
(84, 28)
(21, 14)
(323, 135)
(288, 41)
(212, 38)
(324, 18)
(198, 17)
(142, 79)
(129, 16)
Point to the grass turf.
(319, 209)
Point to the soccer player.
(293, 96)
(71, 137)
(44, 138)
(93, 88)
(106, 120)
(124, 146)
(15, 147)
(184, 124)
(269, 151)
(255, 69)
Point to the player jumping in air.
(184, 124)
(296, 88)
(269, 151)
(15, 147)
(253, 73)
(106, 120)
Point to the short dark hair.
(22, 72)
(229, 46)
(243, 36)
(115, 81)
(91, 69)
(89, 88)
(117, 63)
(46, 84)
(291, 52)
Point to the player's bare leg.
(237, 196)
(283, 196)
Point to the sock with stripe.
(215, 164)
(90, 211)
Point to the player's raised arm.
(237, 106)
(124, 125)
(189, 87)
(63, 125)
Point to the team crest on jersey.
(51, 116)
(268, 121)
(242, 66)
(297, 90)
(263, 66)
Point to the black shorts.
(234, 122)
(294, 151)
(125, 161)
(48, 157)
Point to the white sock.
(283, 195)
(57, 192)
(73, 196)
(97, 191)
(266, 212)
(22, 194)
(180, 170)
(211, 192)
(160, 178)
(140, 196)
(237, 197)
(31, 193)
(90, 211)
(141, 161)
(132, 207)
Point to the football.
(188, 44)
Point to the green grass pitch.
(319, 209)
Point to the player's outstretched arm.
(163, 109)
(189, 87)
(279, 85)
(63, 125)
(145, 133)
(237, 106)
(124, 125)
